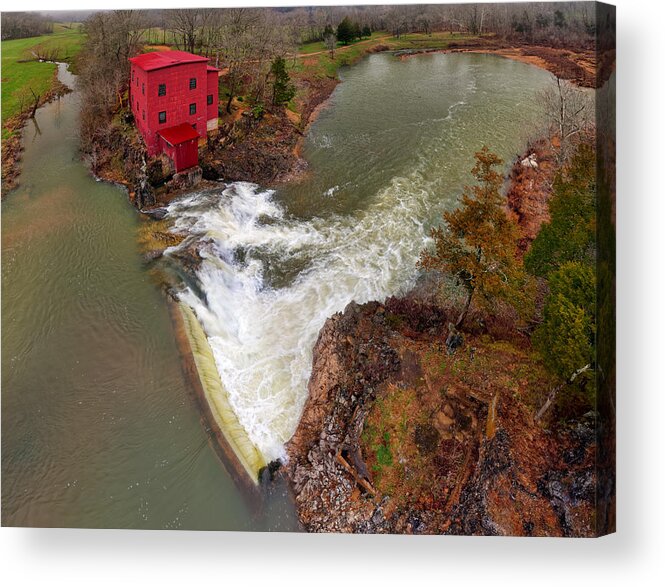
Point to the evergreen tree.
(559, 19)
(565, 253)
(566, 338)
(345, 31)
(477, 245)
(367, 32)
(571, 233)
(357, 33)
(283, 90)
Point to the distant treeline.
(19, 25)
(558, 24)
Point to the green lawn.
(22, 73)
(312, 47)
(317, 46)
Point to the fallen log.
(364, 483)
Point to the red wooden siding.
(213, 90)
(181, 103)
(184, 155)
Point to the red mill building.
(174, 97)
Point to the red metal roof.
(211, 68)
(178, 134)
(161, 59)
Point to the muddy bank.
(577, 66)
(399, 434)
(255, 150)
(530, 188)
(265, 149)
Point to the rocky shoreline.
(403, 432)
(529, 190)
(488, 469)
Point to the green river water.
(99, 428)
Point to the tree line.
(201, 30)
(245, 42)
(20, 25)
(195, 30)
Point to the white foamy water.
(262, 337)
(386, 159)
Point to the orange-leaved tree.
(477, 243)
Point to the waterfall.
(261, 315)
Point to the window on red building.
(192, 109)
(210, 100)
(162, 90)
(192, 83)
(162, 117)
(143, 115)
(143, 89)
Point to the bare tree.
(35, 103)
(569, 110)
(331, 43)
(188, 26)
(112, 37)
(234, 47)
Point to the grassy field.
(21, 72)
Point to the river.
(99, 428)
(387, 157)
